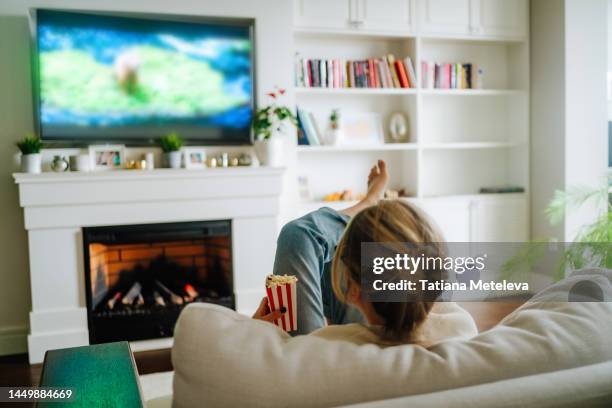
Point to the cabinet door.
(499, 219)
(501, 18)
(445, 16)
(451, 217)
(334, 14)
(388, 15)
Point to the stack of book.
(308, 130)
(447, 76)
(385, 72)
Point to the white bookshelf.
(460, 140)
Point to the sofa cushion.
(222, 358)
(588, 386)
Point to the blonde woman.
(323, 249)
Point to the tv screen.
(100, 77)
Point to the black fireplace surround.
(138, 278)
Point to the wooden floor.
(16, 371)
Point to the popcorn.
(281, 291)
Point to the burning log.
(111, 302)
(132, 294)
(159, 299)
(174, 298)
(191, 292)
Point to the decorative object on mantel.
(81, 162)
(150, 160)
(136, 164)
(269, 124)
(245, 159)
(107, 157)
(60, 164)
(334, 133)
(171, 146)
(30, 147)
(194, 158)
(398, 128)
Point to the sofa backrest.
(588, 386)
(222, 358)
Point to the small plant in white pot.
(30, 147)
(269, 125)
(334, 131)
(171, 146)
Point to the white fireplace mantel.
(57, 206)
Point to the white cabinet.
(499, 219)
(335, 14)
(445, 16)
(501, 17)
(450, 216)
(388, 16)
(474, 18)
(486, 218)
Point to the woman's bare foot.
(377, 183)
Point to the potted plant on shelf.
(30, 147)
(269, 125)
(171, 146)
(334, 131)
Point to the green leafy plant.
(334, 119)
(592, 244)
(272, 117)
(172, 142)
(29, 145)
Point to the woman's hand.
(263, 312)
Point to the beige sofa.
(549, 352)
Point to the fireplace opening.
(138, 278)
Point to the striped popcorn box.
(280, 290)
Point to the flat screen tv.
(133, 78)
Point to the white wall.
(569, 118)
(547, 108)
(274, 67)
(586, 149)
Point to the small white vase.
(333, 137)
(31, 163)
(270, 151)
(173, 159)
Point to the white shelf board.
(407, 91)
(469, 145)
(364, 148)
(356, 91)
(470, 38)
(354, 33)
(471, 92)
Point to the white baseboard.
(13, 340)
(39, 343)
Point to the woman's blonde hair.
(391, 222)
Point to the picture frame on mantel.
(107, 157)
(194, 158)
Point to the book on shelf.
(384, 72)
(446, 75)
(308, 129)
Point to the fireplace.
(138, 278)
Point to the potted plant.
(30, 147)
(269, 124)
(334, 131)
(591, 245)
(171, 146)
